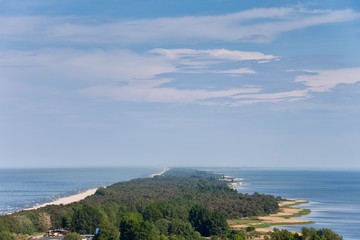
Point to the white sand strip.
(160, 173)
(66, 200)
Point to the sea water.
(25, 188)
(334, 196)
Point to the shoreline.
(66, 200)
(77, 197)
(287, 211)
(160, 173)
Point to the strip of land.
(160, 173)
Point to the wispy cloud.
(123, 75)
(325, 80)
(153, 92)
(223, 54)
(235, 72)
(256, 25)
(116, 65)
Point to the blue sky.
(180, 83)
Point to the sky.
(250, 83)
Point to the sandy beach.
(66, 200)
(80, 196)
(160, 173)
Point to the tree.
(236, 235)
(24, 225)
(107, 232)
(217, 223)
(130, 225)
(206, 222)
(323, 234)
(134, 227)
(278, 234)
(163, 226)
(86, 219)
(6, 236)
(72, 236)
(199, 217)
(250, 229)
(179, 227)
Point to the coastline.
(66, 200)
(283, 217)
(160, 173)
(78, 197)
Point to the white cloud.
(249, 26)
(235, 72)
(139, 92)
(88, 66)
(123, 75)
(201, 61)
(287, 95)
(223, 54)
(324, 80)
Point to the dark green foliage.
(180, 228)
(107, 232)
(236, 235)
(199, 218)
(6, 236)
(218, 223)
(86, 219)
(134, 227)
(307, 234)
(72, 236)
(24, 225)
(186, 190)
(163, 226)
(130, 225)
(283, 235)
(250, 229)
(323, 234)
(206, 222)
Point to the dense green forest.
(177, 205)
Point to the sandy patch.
(291, 201)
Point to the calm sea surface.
(334, 196)
(25, 188)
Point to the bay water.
(334, 196)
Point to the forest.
(180, 204)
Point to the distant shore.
(160, 173)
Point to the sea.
(334, 196)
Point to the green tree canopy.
(86, 219)
(6, 236)
(72, 236)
